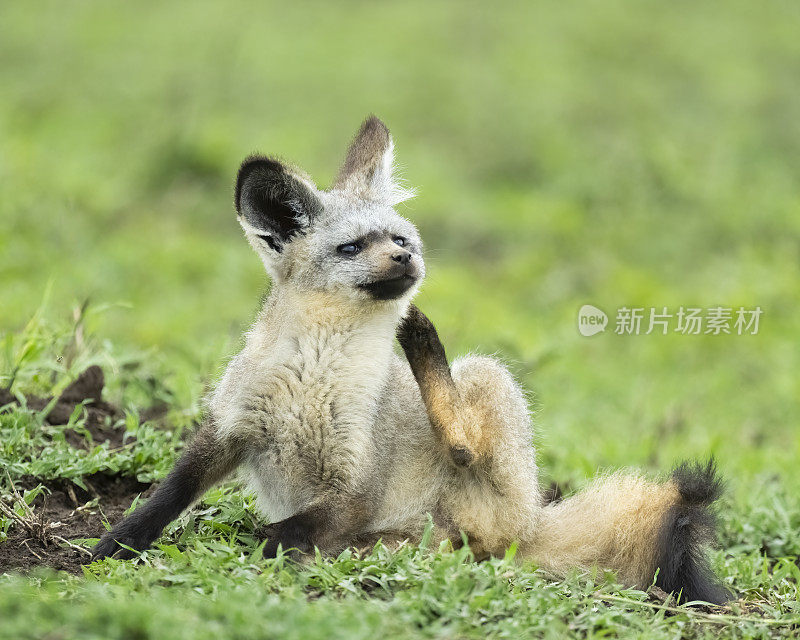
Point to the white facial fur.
(360, 207)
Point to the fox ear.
(367, 171)
(272, 202)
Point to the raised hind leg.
(637, 527)
(481, 417)
(450, 418)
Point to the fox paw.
(290, 534)
(134, 532)
(462, 456)
(109, 547)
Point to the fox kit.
(344, 441)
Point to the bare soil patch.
(65, 512)
(69, 512)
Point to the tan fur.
(440, 398)
(495, 501)
(614, 523)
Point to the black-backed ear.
(368, 168)
(271, 199)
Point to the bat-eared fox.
(345, 442)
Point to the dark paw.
(109, 547)
(292, 535)
(270, 534)
(462, 456)
(415, 332)
(131, 533)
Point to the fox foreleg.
(206, 461)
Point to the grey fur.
(364, 156)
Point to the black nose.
(403, 257)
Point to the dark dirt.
(86, 388)
(71, 513)
(67, 510)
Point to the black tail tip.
(698, 482)
(687, 527)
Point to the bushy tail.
(687, 527)
(635, 527)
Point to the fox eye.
(349, 249)
(399, 240)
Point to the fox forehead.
(346, 219)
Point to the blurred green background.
(608, 153)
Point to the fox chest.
(312, 416)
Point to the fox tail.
(638, 528)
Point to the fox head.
(347, 240)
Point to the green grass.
(603, 153)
